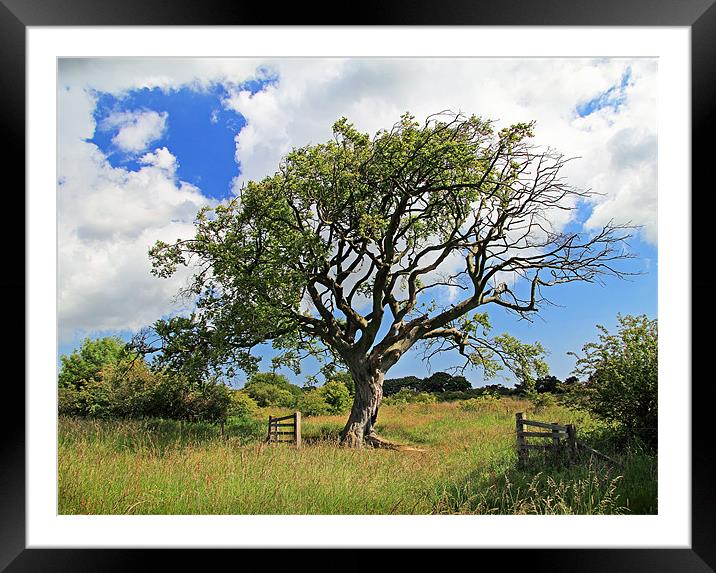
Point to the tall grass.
(464, 462)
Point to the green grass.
(467, 466)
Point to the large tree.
(359, 248)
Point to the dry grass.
(463, 463)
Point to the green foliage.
(269, 395)
(344, 378)
(270, 389)
(438, 382)
(394, 385)
(408, 192)
(85, 364)
(444, 382)
(313, 403)
(542, 400)
(406, 396)
(243, 405)
(210, 402)
(128, 388)
(527, 362)
(547, 384)
(336, 396)
(621, 372)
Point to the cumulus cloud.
(107, 220)
(135, 129)
(161, 158)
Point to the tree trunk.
(359, 429)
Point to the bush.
(130, 389)
(336, 396)
(344, 378)
(313, 403)
(269, 389)
(479, 403)
(621, 373)
(211, 402)
(406, 396)
(85, 365)
(68, 402)
(242, 405)
(540, 401)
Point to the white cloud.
(136, 129)
(161, 158)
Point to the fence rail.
(275, 435)
(560, 436)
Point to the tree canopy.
(359, 248)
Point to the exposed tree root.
(373, 440)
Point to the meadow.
(462, 461)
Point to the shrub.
(130, 389)
(621, 373)
(406, 396)
(479, 403)
(243, 405)
(313, 403)
(269, 395)
(540, 401)
(85, 364)
(344, 378)
(336, 396)
(68, 402)
(211, 402)
(269, 389)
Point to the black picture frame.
(698, 15)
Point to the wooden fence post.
(555, 441)
(521, 450)
(572, 440)
(297, 428)
(268, 437)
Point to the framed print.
(118, 166)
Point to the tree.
(336, 396)
(313, 403)
(621, 372)
(444, 382)
(270, 389)
(85, 364)
(361, 233)
(394, 385)
(547, 384)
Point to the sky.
(144, 143)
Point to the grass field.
(467, 465)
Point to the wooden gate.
(558, 436)
(285, 429)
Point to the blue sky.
(137, 162)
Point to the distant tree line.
(450, 387)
